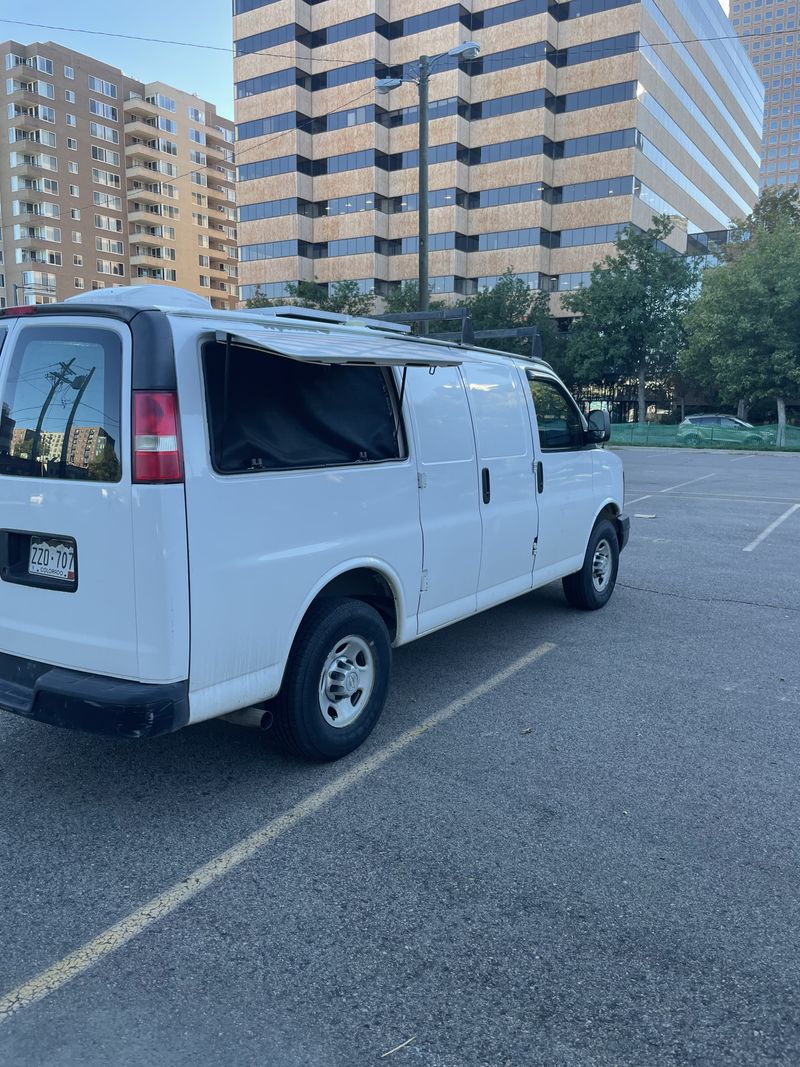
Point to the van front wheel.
(336, 681)
(591, 587)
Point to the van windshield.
(61, 405)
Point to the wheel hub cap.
(601, 565)
(347, 681)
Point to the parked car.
(206, 511)
(699, 430)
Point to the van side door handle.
(486, 485)
(539, 476)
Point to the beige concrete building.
(108, 181)
(768, 31)
(579, 116)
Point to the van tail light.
(157, 453)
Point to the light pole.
(467, 50)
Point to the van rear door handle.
(486, 485)
(539, 476)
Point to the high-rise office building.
(108, 181)
(577, 118)
(768, 31)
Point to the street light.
(468, 50)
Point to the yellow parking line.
(113, 938)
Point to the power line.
(342, 61)
(179, 44)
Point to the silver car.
(699, 430)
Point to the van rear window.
(61, 405)
(272, 413)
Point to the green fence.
(759, 439)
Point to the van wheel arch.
(367, 584)
(610, 512)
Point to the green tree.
(744, 331)
(508, 304)
(776, 208)
(345, 298)
(404, 299)
(632, 313)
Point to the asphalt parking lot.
(588, 856)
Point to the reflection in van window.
(560, 425)
(61, 405)
(271, 413)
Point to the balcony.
(138, 105)
(36, 218)
(143, 216)
(146, 196)
(142, 173)
(26, 121)
(149, 258)
(140, 236)
(137, 127)
(141, 151)
(33, 241)
(22, 95)
(34, 192)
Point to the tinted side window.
(272, 413)
(61, 405)
(560, 425)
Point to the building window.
(76, 237)
(75, 213)
(69, 73)
(77, 261)
(71, 120)
(98, 85)
(72, 144)
(69, 96)
(79, 283)
(72, 167)
(74, 190)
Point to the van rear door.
(67, 553)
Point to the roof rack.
(290, 311)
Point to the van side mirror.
(599, 428)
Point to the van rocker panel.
(91, 702)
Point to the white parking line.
(669, 489)
(79, 961)
(680, 485)
(772, 526)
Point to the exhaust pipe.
(255, 718)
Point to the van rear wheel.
(591, 587)
(336, 681)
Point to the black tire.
(299, 725)
(692, 440)
(754, 442)
(582, 589)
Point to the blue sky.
(207, 73)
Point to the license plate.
(52, 559)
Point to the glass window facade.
(669, 127)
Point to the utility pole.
(62, 466)
(423, 83)
(57, 378)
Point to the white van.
(203, 511)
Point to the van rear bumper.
(91, 702)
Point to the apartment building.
(108, 181)
(768, 30)
(578, 117)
